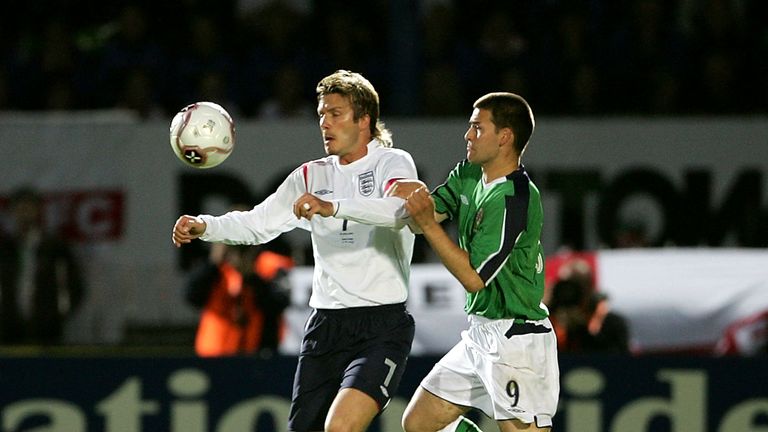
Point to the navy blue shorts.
(365, 348)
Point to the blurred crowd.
(262, 58)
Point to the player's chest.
(334, 184)
(475, 209)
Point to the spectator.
(205, 66)
(575, 58)
(133, 47)
(583, 320)
(441, 84)
(242, 291)
(273, 35)
(5, 101)
(137, 95)
(40, 280)
(287, 100)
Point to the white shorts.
(507, 371)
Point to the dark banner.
(598, 394)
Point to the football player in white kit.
(359, 334)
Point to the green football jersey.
(499, 226)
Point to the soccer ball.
(202, 134)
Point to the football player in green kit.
(506, 362)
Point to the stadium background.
(648, 111)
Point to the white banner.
(688, 299)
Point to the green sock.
(466, 425)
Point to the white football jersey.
(362, 254)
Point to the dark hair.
(509, 110)
(362, 96)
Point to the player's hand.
(309, 205)
(404, 188)
(421, 208)
(186, 229)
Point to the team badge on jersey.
(366, 183)
(478, 219)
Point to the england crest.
(366, 183)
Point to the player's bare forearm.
(455, 259)
(421, 207)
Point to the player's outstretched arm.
(421, 207)
(186, 229)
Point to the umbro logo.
(323, 192)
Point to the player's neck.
(358, 153)
(499, 168)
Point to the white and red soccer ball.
(202, 134)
